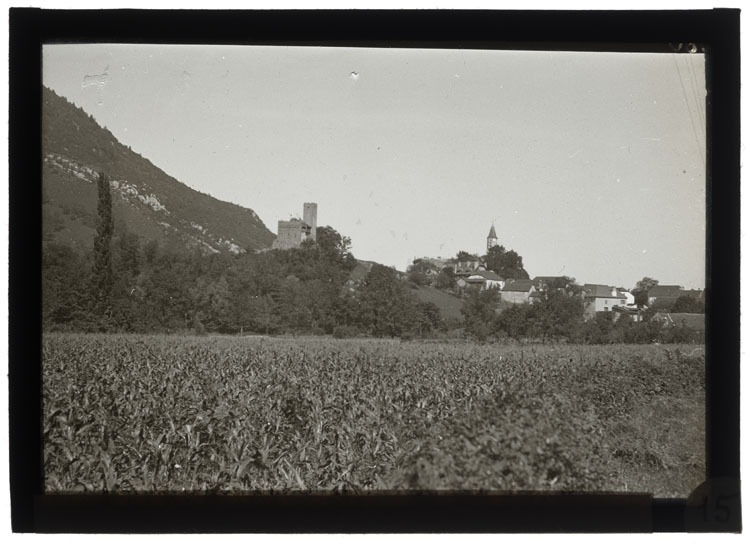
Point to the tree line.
(506, 263)
(127, 284)
(558, 316)
(152, 288)
(124, 283)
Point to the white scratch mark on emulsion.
(98, 81)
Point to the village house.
(628, 311)
(464, 269)
(482, 279)
(517, 291)
(629, 297)
(663, 297)
(601, 298)
(437, 264)
(698, 295)
(547, 283)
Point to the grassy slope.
(449, 305)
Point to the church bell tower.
(492, 237)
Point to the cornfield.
(128, 414)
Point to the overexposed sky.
(590, 164)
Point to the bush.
(449, 334)
(198, 327)
(643, 333)
(407, 336)
(681, 334)
(345, 332)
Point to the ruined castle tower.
(293, 233)
(492, 237)
(310, 217)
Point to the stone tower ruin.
(292, 233)
(310, 217)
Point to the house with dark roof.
(601, 298)
(631, 312)
(483, 280)
(698, 295)
(664, 291)
(438, 263)
(517, 291)
(663, 296)
(554, 283)
(464, 269)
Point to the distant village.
(474, 274)
(597, 297)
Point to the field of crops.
(140, 413)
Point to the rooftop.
(599, 290)
(695, 294)
(665, 291)
(487, 275)
(518, 285)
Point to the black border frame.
(714, 507)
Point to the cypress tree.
(102, 274)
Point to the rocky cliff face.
(146, 201)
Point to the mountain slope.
(146, 201)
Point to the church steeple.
(492, 237)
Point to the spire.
(492, 238)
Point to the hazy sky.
(591, 165)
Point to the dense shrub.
(345, 332)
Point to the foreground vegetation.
(138, 413)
